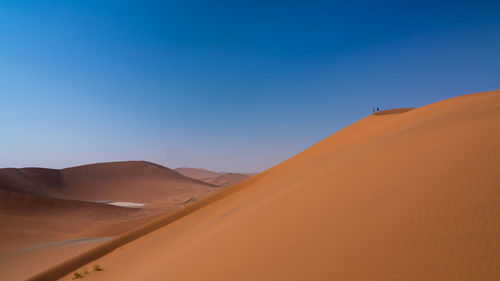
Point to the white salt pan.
(126, 204)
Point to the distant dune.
(45, 206)
(409, 196)
(135, 181)
(197, 173)
(219, 179)
(227, 179)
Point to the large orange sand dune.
(407, 196)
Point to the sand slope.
(410, 196)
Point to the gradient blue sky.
(224, 85)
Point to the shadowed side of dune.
(30, 219)
(36, 181)
(14, 201)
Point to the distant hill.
(219, 179)
(134, 181)
(227, 179)
(197, 173)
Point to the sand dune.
(215, 178)
(197, 173)
(409, 196)
(132, 181)
(226, 179)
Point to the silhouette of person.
(378, 109)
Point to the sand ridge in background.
(197, 173)
(222, 179)
(116, 181)
(410, 196)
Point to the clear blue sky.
(224, 85)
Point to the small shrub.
(86, 271)
(77, 275)
(97, 267)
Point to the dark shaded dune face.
(29, 218)
(14, 201)
(394, 111)
(28, 180)
(49, 177)
(52, 217)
